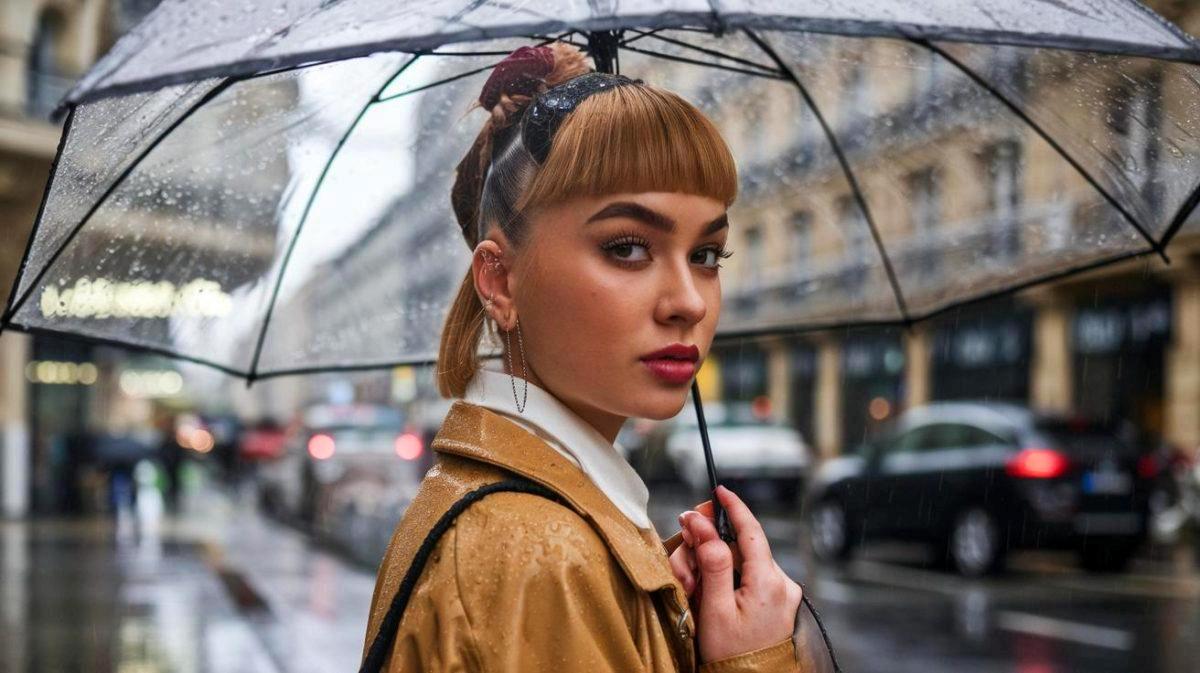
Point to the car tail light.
(1038, 464)
(1148, 466)
(409, 446)
(321, 446)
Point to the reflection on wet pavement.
(219, 589)
(222, 589)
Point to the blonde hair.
(635, 138)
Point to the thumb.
(715, 565)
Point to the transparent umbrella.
(263, 187)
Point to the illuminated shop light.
(103, 298)
(62, 373)
(150, 383)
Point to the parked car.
(758, 457)
(335, 462)
(978, 479)
(261, 441)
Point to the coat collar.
(481, 434)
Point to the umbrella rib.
(1156, 246)
(460, 75)
(440, 82)
(683, 59)
(120, 179)
(1181, 215)
(846, 169)
(703, 50)
(9, 312)
(121, 343)
(312, 197)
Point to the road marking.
(1087, 634)
(907, 578)
(832, 591)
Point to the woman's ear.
(490, 269)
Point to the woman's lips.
(671, 370)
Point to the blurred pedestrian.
(171, 456)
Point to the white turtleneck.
(551, 420)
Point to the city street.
(891, 610)
(222, 589)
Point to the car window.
(908, 442)
(980, 437)
(1082, 435)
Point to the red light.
(1038, 464)
(1147, 466)
(321, 447)
(761, 407)
(408, 446)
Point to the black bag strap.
(386, 636)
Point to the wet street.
(890, 610)
(223, 589)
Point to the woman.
(596, 209)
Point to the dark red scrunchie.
(519, 73)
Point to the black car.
(978, 479)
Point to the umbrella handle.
(724, 528)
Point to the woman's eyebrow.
(653, 218)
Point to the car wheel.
(1107, 556)
(829, 532)
(974, 543)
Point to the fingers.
(683, 566)
(751, 540)
(715, 563)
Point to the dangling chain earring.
(524, 373)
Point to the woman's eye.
(709, 257)
(629, 252)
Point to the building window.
(1002, 168)
(856, 100)
(924, 200)
(929, 70)
(752, 267)
(45, 81)
(800, 240)
(857, 240)
(1135, 118)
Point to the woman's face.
(604, 282)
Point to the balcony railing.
(986, 250)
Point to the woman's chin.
(658, 403)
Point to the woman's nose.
(681, 300)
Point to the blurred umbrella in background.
(263, 187)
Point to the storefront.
(872, 382)
(1119, 361)
(62, 377)
(982, 354)
(803, 394)
(743, 370)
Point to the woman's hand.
(761, 611)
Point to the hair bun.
(523, 74)
(508, 91)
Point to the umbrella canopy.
(264, 187)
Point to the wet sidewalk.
(218, 589)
